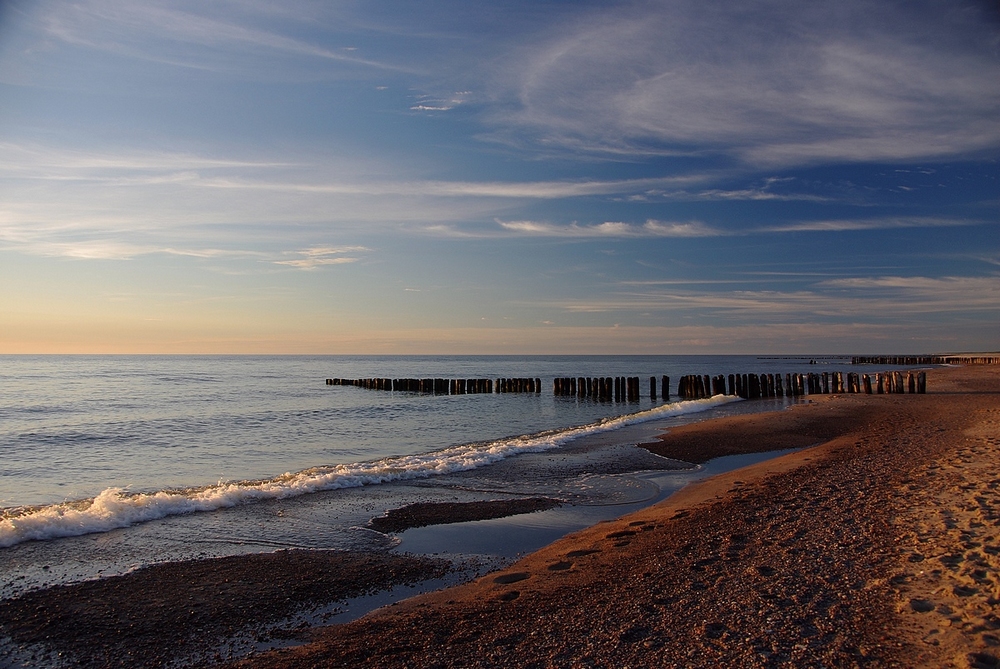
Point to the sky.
(460, 177)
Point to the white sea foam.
(116, 507)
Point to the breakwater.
(439, 386)
(755, 386)
(689, 387)
(959, 359)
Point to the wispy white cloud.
(650, 228)
(654, 228)
(316, 257)
(227, 38)
(125, 203)
(748, 194)
(433, 104)
(33, 160)
(939, 286)
(774, 82)
(880, 223)
(854, 298)
(353, 177)
(541, 190)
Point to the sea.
(111, 463)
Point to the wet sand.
(875, 546)
(196, 610)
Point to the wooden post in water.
(652, 388)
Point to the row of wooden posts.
(444, 386)
(754, 386)
(610, 388)
(925, 360)
(689, 387)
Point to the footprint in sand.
(714, 630)
(514, 577)
(581, 553)
(561, 566)
(964, 591)
(983, 661)
(509, 596)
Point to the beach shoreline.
(796, 561)
(709, 570)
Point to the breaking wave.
(116, 508)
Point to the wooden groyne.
(756, 386)
(974, 359)
(440, 386)
(689, 387)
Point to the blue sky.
(460, 177)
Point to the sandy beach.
(875, 545)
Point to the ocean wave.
(115, 508)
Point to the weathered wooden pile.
(689, 387)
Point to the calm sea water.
(109, 462)
(73, 426)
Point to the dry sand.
(875, 547)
